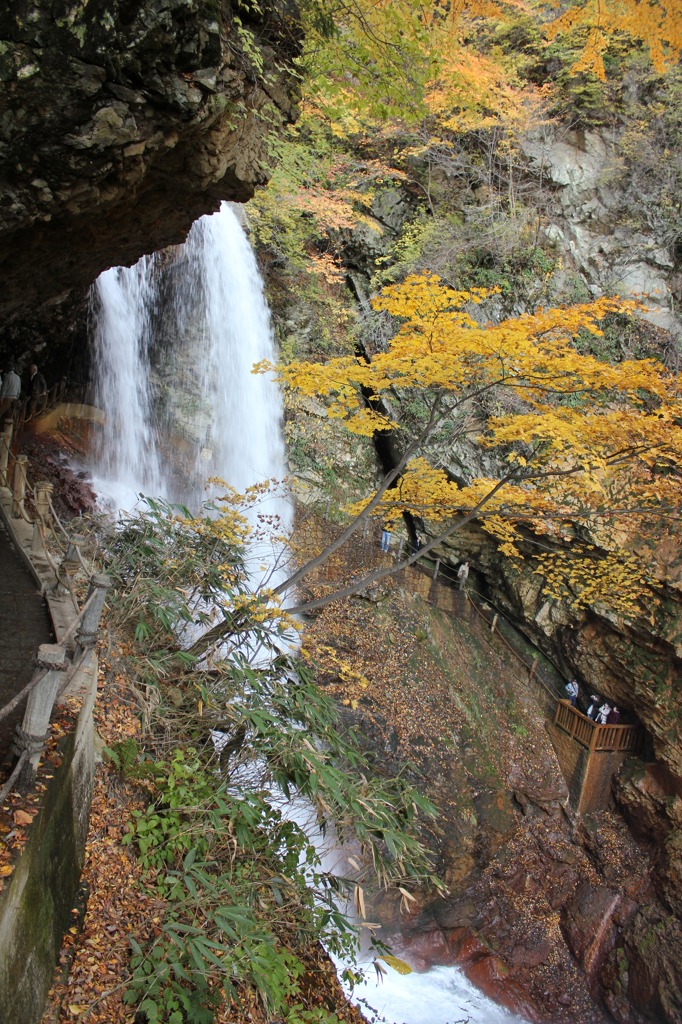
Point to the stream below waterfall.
(175, 338)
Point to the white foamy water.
(441, 995)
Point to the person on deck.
(572, 690)
(592, 710)
(604, 712)
(614, 717)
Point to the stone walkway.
(24, 625)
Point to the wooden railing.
(56, 560)
(596, 737)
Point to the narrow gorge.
(157, 159)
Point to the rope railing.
(57, 664)
(18, 697)
(56, 670)
(625, 736)
(48, 528)
(14, 777)
(96, 596)
(36, 405)
(435, 569)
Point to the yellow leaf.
(359, 900)
(396, 963)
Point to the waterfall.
(126, 452)
(176, 337)
(243, 443)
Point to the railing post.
(68, 566)
(532, 670)
(594, 737)
(43, 496)
(19, 486)
(493, 624)
(34, 729)
(436, 570)
(87, 634)
(5, 445)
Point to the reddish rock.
(467, 947)
(491, 975)
(427, 949)
(588, 924)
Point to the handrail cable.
(17, 699)
(15, 773)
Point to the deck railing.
(589, 734)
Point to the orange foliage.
(588, 443)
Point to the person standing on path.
(463, 575)
(9, 391)
(385, 538)
(37, 388)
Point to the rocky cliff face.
(611, 227)
(122, 123)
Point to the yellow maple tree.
(405, 58)
(586, 447)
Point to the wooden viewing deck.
(620, 738)
(590, 754)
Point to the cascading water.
(439, 995)
(243, 443)
(127, 451)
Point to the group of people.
(10, 389)
(600, 712)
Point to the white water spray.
(245, 445)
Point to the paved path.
(24, 625)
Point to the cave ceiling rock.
(123, 122)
